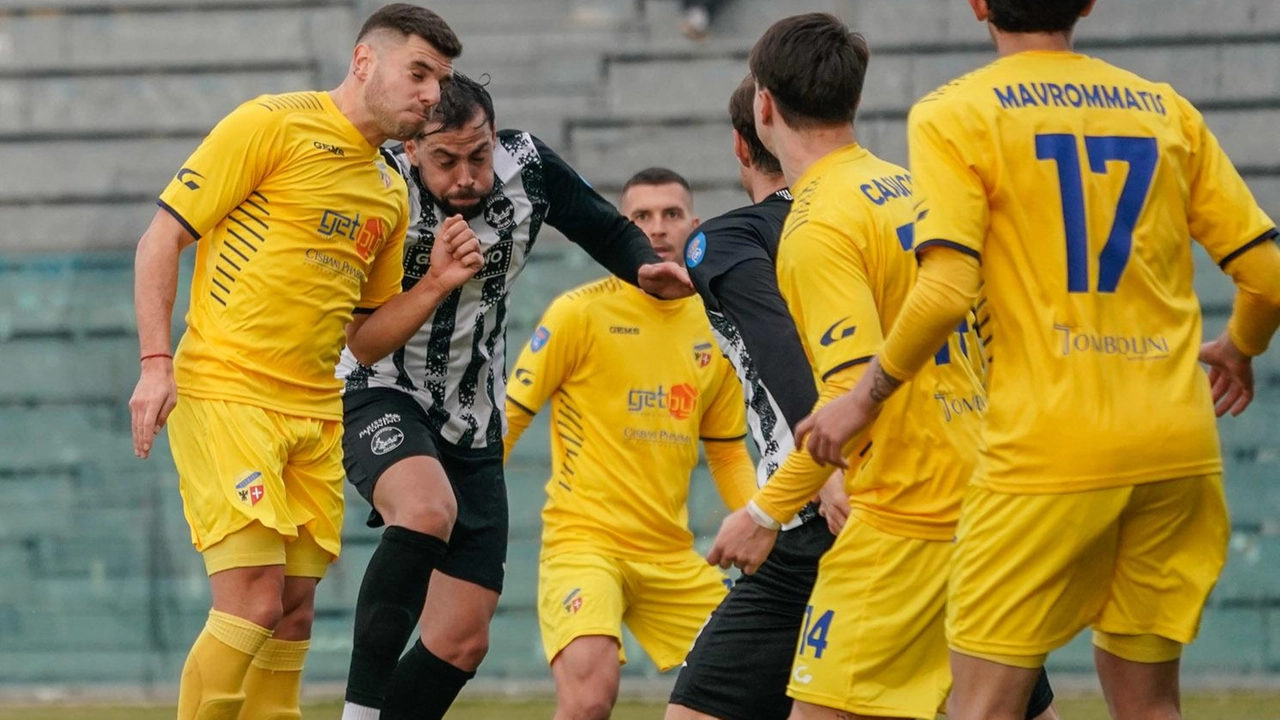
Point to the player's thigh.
(741, 661)
(390, 456)
(230, 459)
(579, 594)
(669, 602)
(313, 488)
(1030, 571)
(587, 671)
(478, 545)
(1171, 550)
(872, 641)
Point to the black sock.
(423, 686)
(391, 597)
(1041, 696)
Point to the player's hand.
(455, 256)
(154, 397)
(827, 431)
(833, 502)
(1230, 375)
(667, 280)
(741, 543)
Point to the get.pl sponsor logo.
(368, 234)
(680, 401)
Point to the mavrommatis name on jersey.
(1132, 347)
(1110, 97)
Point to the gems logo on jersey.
(250, 489)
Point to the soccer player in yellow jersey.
(301, 223)
(1066, 189)
(872, 643)
(634, 383)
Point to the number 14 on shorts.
(814, 634)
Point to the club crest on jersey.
(702, 354)
(383, 173)
(540, 338)
(250, 488)
(573, 601)
(696, 250)
(500, 213)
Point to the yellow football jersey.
(299, 220)
(634, 383)
(1079, 186)
(845, 268)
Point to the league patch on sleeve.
(696, 250)
(540, 338)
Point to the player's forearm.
(732, 471)
(155, 282)
(946, 289)
(388, 328)
(518, 420)
(1256, 314)
(794, 484)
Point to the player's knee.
(466, 651)
(296, 621)
(429, 515)
(263, 609)
(590, 701)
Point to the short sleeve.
(230, 163)
(1222, 213)
(951, 199)
(726, 416)
(715, 248)
(550, 355)
(386, 272)
(823, 276)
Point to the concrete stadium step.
(130, 42)
(1234, 640)
(100, 666)
(641, 84)
(64, 296)
(135, 169)
(65, 371)
(80, 226)
(1250, 576)
(52, 436)
(192, 102)
(98, 7)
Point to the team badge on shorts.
(386, 440)
(573, 601)
(250, 489)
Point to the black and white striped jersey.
(731, 260)
(455, 365)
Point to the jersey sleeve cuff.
(846, 365)
(959, 247)
(178, 216)
(1268, 235)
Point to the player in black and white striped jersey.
(424, 426)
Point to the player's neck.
(347, 99)
(1014, 43)
(798, 150)
(761, 186)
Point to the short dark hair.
(813, 66)
(414, 20)
(657, 176)
(1035, 16)
(742, 115)
(460, 99)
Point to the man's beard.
(466, 212)
(385, 117)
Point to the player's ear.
(740, 149)
(696, 221)
(980, 9)
(1088, 8)
(362, 61)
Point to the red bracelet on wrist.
(155, 355)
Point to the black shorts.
(739, 666)
(382, 426)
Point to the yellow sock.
(213, 676)
(274, 681)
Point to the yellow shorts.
(239, 464)
(873, 641)
(1031, 571)
(664, 604)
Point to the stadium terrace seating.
(100, 101)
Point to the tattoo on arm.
(883, 385)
